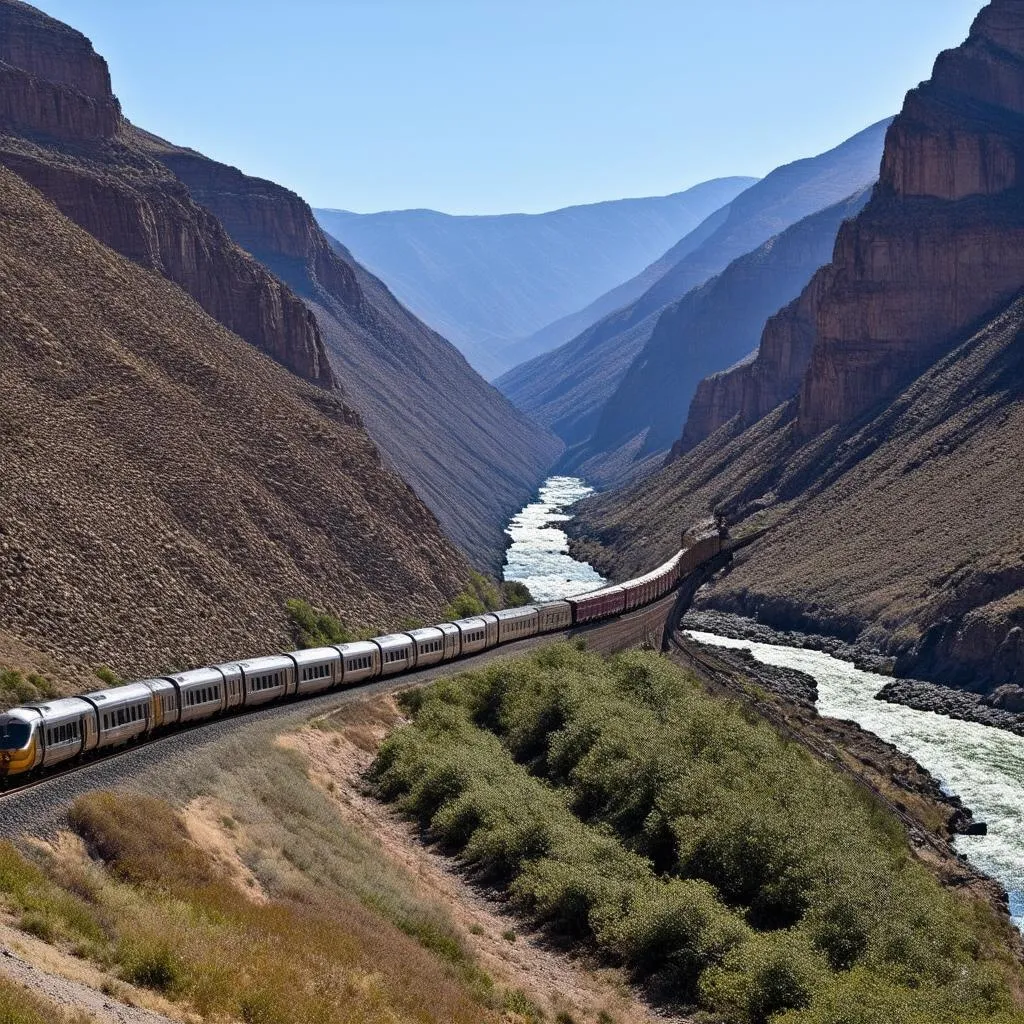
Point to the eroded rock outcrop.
(61, 130)
(941, 245)
(469, 454)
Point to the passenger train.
(37, 737)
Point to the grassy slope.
(196, 902)
(616, 801)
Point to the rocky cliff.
(166, 488)
(890, 478)
(742, 394)
(61, 130)
(709, 329)
(470, 455)
(941, 245)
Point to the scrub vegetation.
(19, 688)
(617, 803)
(483, 595)
(159, 912)
(194, 890)
(20, 1007)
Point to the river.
(982, 765)
(539, 552)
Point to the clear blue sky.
(485, 106)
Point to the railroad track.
(40, 807)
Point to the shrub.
(18, 688)
(616, 801)
(107, 676)
(515, 594)
(313, 627)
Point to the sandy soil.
(76, 986)
(560, 983)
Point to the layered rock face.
(469, 454)
(744, 393)
(567, 389)
(941, 245)
(165, 488)
(62, 131)
(710, 329)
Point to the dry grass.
(20, 1007)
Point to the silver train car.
(40, 736)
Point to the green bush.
(616, 801)
(18, 688)
(515, 594)
(313, 627)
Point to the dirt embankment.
(564, 985)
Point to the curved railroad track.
(40, 807)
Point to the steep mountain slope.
(487, 282)
(565, 389)
(470, 455)
(165, 486)
(892, 477)
(61, 129)
(710, 328)
(902, 531)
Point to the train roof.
(522, 612)
(356, 647)
(51, 708)
(269, 663)
(392, 640)
(196, 676)
(314, 654)
(119, 694)
(426, 633)
(470, 622)
(603, 592)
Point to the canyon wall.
(62, 131)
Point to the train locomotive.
(38, 737)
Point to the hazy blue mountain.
(488, 282)
(565, 389)
(708, 330)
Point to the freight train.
(39, 737)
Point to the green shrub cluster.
(313, 627)
(616, 801)
(483, 595)
(18, 688)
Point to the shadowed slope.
(165, 486)
(488, 282)
(566, 389)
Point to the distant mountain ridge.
(489, 282)
(711, 327)
(566, 389)
(251, 254)
(470, 455)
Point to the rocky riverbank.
(1001, 709)
(730, 624)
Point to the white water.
(982, 765)
(539, 554)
